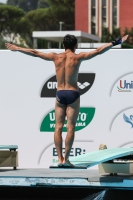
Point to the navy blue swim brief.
(67, 96)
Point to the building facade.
(92, 15)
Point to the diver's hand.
(124, 38)
(11, 47)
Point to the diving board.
(10, 147)
(113, 161)
(106, 159)
(8, 156)
(96, 157)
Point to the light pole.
(60, 23)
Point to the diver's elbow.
(98, 51)
(34, 53)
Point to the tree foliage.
(48, 18)
(25, 31)
(43, 15)
(42, 4)
(26, 5)
(9, 20)
(106, 35)
(63, 11)
(41, 19)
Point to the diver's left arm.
(88, 55)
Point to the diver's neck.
(69, 51)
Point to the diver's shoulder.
(61, 54)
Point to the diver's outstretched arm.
(31, 52)
(88, 55)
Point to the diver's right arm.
(31, 52)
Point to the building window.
(104, 14)
(93, 16)
(114, 13)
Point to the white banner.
(27, 99)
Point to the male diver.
(67, 96)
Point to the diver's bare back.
(67, 67)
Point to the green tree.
(47, 19)
(106, 36)
(42, 4)
(9, 20)
(115, 33)
(41, 19)
(44, 19)
(12, 2)
(25, 31)
(63, 10)
(26, 5)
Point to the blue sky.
(3, 1)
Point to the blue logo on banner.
(128, 119)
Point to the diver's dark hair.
(69, 41)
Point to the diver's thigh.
(60, 112)
(72, 112)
